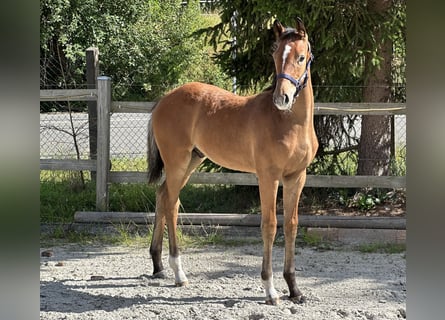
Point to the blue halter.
(302, 81)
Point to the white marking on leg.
(271, 293)
(175, 264)
(286, 51)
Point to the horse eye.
(301, 59)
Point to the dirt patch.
(113, 282)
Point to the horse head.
(292, 58)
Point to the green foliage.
(145, 46)
(342, 34)
(343, 37)
(220, 198)
(365, 200)
(335, 163)
(398, 163)
(132, 197)
(59, 201)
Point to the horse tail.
(155, 163)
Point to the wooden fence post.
(92, 72)
(103, 141)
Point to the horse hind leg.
(158, 235)
(167, 205)
(196, 159)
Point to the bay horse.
(270, 134)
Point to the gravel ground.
(113, 282)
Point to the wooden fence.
(100, 106)
(101, 165)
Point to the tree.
(146, 46)
(374, 153)
(346, 45)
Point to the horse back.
(236, 132)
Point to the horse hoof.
(181, 284)
(298, 299)
(160, 275)
(273, 301)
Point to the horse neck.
(304, 106)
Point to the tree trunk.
(374, 151)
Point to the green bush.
(147, 47)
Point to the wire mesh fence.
(64, 135)
(400, 131)
(128, 141)
(64, 125)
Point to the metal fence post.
(103, 141)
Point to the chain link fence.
(64, 127)
(64, 135)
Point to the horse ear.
(300, 26)
(278, 29)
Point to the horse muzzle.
(284, 101)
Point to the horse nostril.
(286, 98)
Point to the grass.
(382, 248)
(60, 198)
(131, 235)
(310, 239)
(59, 201)
(140, 236)
(62, 193)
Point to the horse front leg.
(268, 195)
(292, 187)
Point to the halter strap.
(300, 83)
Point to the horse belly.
(233, 163)
(227, 149)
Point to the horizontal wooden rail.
(229, 178)
(342, 108)
(68, 95)
(320, 181)
(391, 182)
(132, 106)
(321, 108)
(67, 164)
(247, 220)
